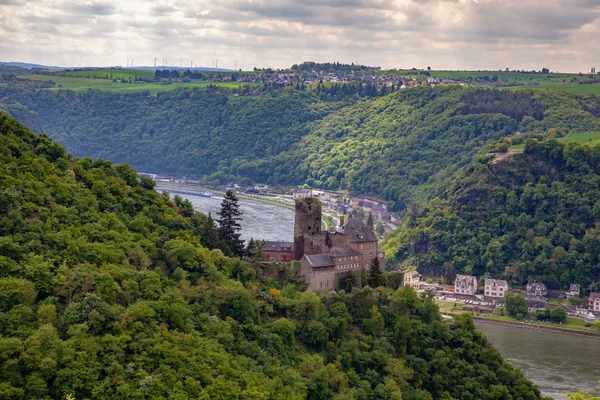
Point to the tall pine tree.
(376, 277)
(229, 223)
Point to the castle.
(326, 256)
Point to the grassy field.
(108, 73)
(591, 138)
(84, 84)
(571, 88)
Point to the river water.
(556, 362)
(259, 220)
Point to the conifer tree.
(376, 278)
(229, 223)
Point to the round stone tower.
(307, 222)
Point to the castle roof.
(278, 246)
(327, 259)
(412, 274)
(358, 231)
(343, 251)
(320, 260)
(594, 295)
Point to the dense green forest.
(532, 216)
(403, 147)
(107, 292)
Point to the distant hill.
(31, 66)
(533, 215)
(403, 147)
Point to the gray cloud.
(91, 8)
(461, 34)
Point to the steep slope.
(403, 147)
(530, 216)
(106, 292)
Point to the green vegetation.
(107, 290)
(328, 136)
(532, 216)
(591, 138)
(108, 73)
(571, 88)
(516, 305)
(83, 84)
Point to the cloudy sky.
(562, 35)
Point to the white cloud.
(459, 34)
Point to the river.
(557, 363)
(260, 220)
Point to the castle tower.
(307, 223)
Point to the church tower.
(307, 226)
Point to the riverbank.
(491, 319)
(327, 217)
(263, 199)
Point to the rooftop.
(358, 231)
(320, 260)
(278, 246)
(343, 251)
(497, 282)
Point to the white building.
(594, 302)
(412, 278)
(495, 288)
(465, 284)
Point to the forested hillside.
(403, 147)
(532, 216)
(107, 292)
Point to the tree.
(516, 305)
(376, 277)
(348, 281)
(449, 273)
(229, 226)
(558, 315)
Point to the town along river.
(556, 362)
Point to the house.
(412, 278)
(302, 193)
(574, 290)
(465, 284)
(279, 251)
(536, 291)
(495, 288)
(594, 303)
(381, 212)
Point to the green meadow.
(108, 73)
(591, 138)
(571, 88)
(83, 84)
